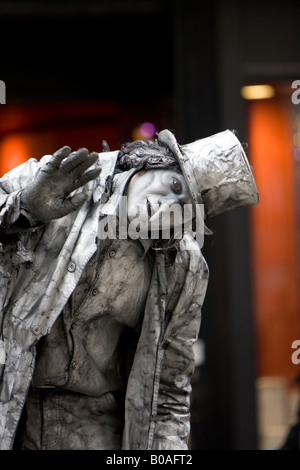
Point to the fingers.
(74, 203)
(57, 157)
(78, 161)
(81, 167)
(74, 165)
(85, 178)
(75, 159)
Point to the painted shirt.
(84, 351)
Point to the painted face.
(152, 194)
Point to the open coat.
(37, 278)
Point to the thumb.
(74, 203)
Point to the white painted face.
(152, 194)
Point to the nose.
(167, 206)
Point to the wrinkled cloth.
(59, 420)
(84, 351)
(35, 288)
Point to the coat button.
(95, 292)
(112, 253)
(36, 330)
(74, 365)
(71, 267)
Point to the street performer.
(97, 327)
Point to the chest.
(115, 283)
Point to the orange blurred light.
(13, 152)
(274, 237)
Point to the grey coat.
(37, 278)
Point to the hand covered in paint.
(47, 197)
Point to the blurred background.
(78, 72)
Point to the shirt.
(83, 352)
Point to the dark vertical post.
(207, 100)
(236, 235)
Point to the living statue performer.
(97, 331)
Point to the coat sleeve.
(12, 249)
(187, 284)
(11, 186)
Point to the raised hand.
(47, 197)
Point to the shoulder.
(18, 177)
(189, 255)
